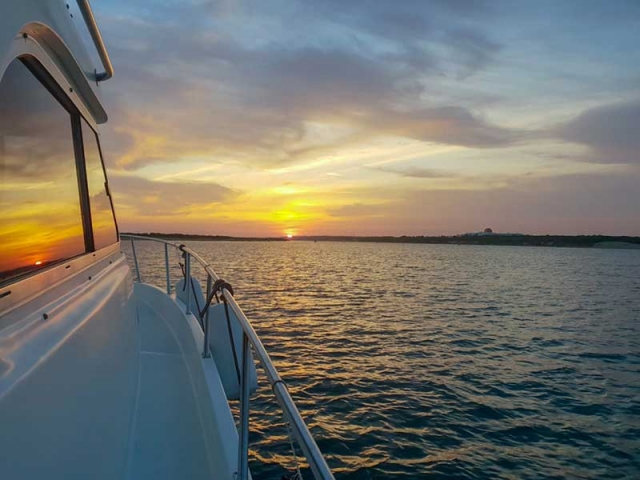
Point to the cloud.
(149, 198)
(417, 172)
(569, 204)
(449, 125)
(357, 210)
(417, 26)
(604, 203)
(474, 50)
(217, 93)
(612, 132)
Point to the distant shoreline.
(581, 241)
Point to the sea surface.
(442, 361)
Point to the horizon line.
(466, 234)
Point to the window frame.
(104, 173)
(18, 289)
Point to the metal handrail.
(300, 430)
(94, 31)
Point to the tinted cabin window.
(40, 219)
(104, 227)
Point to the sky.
(373, 117)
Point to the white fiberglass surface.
(66, 402)
(167, 439)
(172, 436)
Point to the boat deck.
(168, 440)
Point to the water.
(442, 361)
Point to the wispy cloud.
(612, 132)
(150, 198)
(417, 172)
(358, 210)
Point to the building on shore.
(488, 232)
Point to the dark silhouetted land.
(584, 241)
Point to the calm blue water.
(439, 361)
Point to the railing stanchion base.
(205, 347)
(187, 281)
(243, 438)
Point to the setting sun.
(289, 236)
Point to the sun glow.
(39, 262)
(289, 236)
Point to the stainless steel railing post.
(92, 26)
(243, 440)
(187, 281)
(166, 268)
(135, 258)
(205, 347)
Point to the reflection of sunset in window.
(40, 220)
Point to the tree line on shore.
(524, 240)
